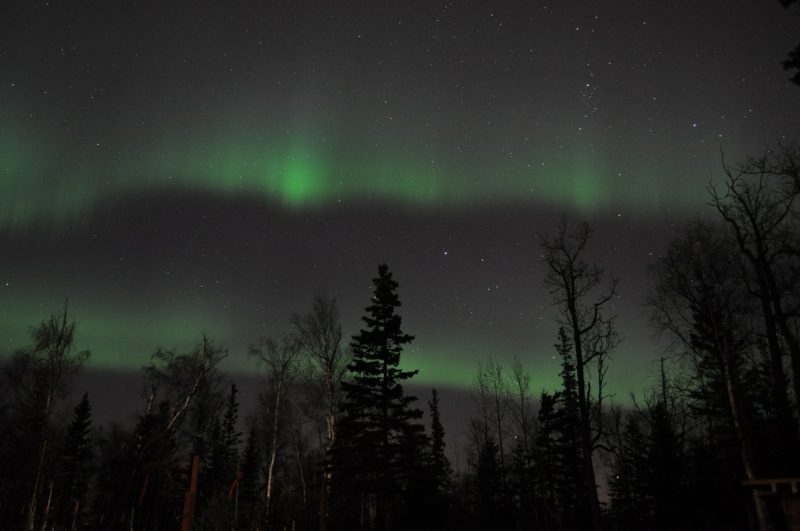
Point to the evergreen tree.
(426, 496)
(667, 476)
(523, 484)
(223, 463)
(571, 485)
(628, 475)
(75, 467)
(546, 461)
(440, 465)
(574, 285)
(39, 377)
(245, 493)
(488, 487)
(378, 416)
(115, 466)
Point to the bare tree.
(480, 427)
(179, 377)
(173, 383)
(573, 283)
(521, 382)
(758, 204)
(319, 334)
(51, 363)
(500, 400)
(698, 301)
(279, 358)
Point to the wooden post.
(189, 499)
(235, 523)
(75, 515)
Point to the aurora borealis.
(174, 169)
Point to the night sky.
(201, 166)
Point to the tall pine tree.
(440, 465)
(75, 467)
(378, 428)
(571, 486)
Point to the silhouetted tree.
(701, 303)
(182, 394)
(378, 417)
(572, 282)
(546, 462)
(427, 493)
(245, 493)
(492, 393)
(571, 486)
(488, 487)
(759, 213)
(523, 481)
(115, 464)
(223, 464)
(319, 333)
(39, 377)
(629, 471)
(440, 465)
(74, 469)
(279, 357)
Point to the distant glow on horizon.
(117, 336)
(114, 336)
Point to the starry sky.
(180, 167)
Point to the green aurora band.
(114, 336)
(42, 188)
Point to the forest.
(338, 442)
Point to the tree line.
(337, 442)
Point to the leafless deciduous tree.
(279, 358)
(758, 202)
(177, 378)
(50, 364)
(699, 302)
(494, 399)
(319, 334)
(521, 383)
(575, 286)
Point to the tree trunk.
(779, 388)
(273, 458)
(585, 423)
(745, 452)
(327, 475)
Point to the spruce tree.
(427, 491)
(439, 462)
(222, 469)
(571, 485)
(378, 428)
(74, 467)
(629, 476)
(546, 463)
(245, 494)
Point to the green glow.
(118, 337)
(302, 182)
(44, 186)
(123, 338)
(454, 366)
